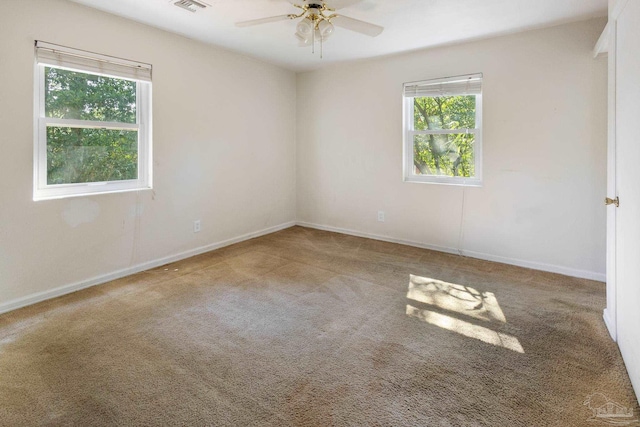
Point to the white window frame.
(409, 174)
(44, 191)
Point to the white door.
(610, 311)
(627, 143)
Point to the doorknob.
(615, 201)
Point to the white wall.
(224, 152)
(545, 132)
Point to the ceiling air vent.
(190, 5)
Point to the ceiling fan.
(317, 21)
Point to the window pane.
(445, 112)
(80, 96)
(77, 155)
(444, 155)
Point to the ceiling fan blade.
(358, 26)
(263, 21)
(298, 3)
(341, 4)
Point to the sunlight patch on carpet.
(456, 298)
(466, 329)
(460, 300)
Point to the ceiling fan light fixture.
(325, 29)
(304, 41)
(304, 28)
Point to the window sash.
(443, 131)
(44, 191)
(89, 124)
(410, 132)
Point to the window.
(443, 131)
(93, 123)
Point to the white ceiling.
(409, 24)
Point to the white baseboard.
(551, 268)
(378, 237)
(583, 274)
(67, 289)
(609, 322)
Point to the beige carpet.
(310, 328)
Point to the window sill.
(472, 182)
(41, 195)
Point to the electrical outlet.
(381, 216)
(197, 226)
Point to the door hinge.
(615, 201)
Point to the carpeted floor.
(310, 328)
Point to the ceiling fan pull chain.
(313, 39)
